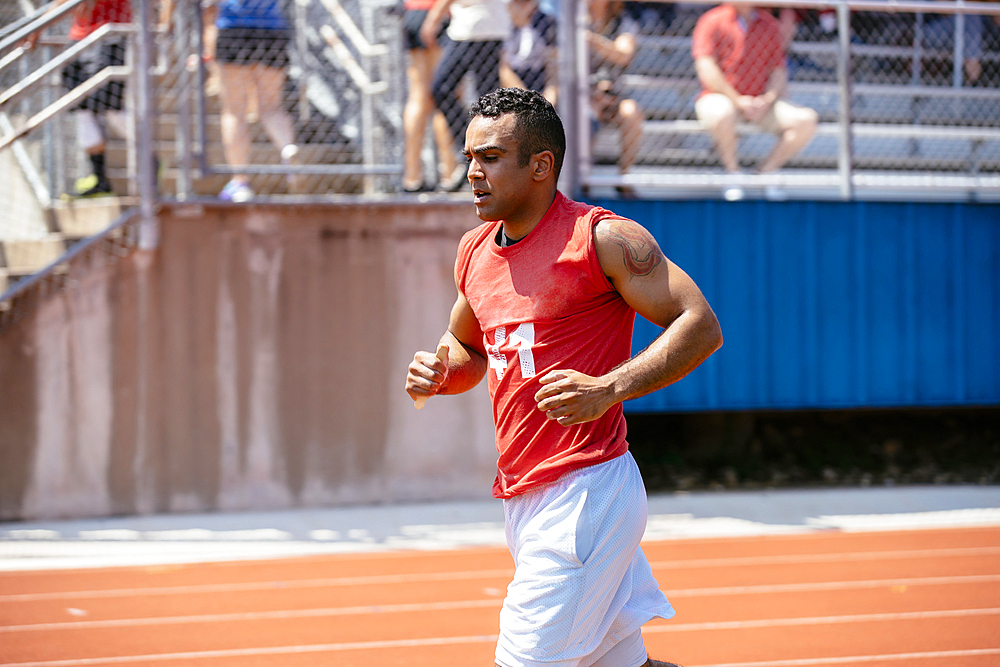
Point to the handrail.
(38, 24)
(116, 229)
(357, 38)
(38, 76)
(67, 100)
(893, 6)
(354, 70)
(26, 165)
(12, 57)
(24, 20)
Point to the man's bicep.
(651, 284)
(464, 326)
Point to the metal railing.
(950, 132)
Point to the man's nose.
(475, 171)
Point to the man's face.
(500, 187)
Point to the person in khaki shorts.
(739, 56)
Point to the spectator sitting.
(739, 56)
(939, 34)
(611, 50)
(529, 54)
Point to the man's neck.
(517, 230)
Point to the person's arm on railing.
(32, 39)
(432, 23)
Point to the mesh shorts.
(581, 583)
(253, 46)
(109, 97)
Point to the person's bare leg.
(723, 132)
(234, 82)
(419, 106)
(270, 97)
(793, 139)
(630, 121)
(447, 160)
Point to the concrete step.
(20, 258)
(80, 218)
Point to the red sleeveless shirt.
(545, 304)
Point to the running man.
(548, 289)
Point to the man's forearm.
(466, 367)
(776, 85)
(682, 347)
(713, 79)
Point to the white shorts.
(713, 107)
(581, 585)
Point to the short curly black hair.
(538, 125)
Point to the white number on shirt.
(523, 339)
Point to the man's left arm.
(776, 85)
(662, 293)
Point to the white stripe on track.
(833, 585)
(256, 615)
(473, 604)
(756, 589)
(445, 641)
(850, 660)
(819, 620)
(272, 584)
(787, 559)
(247, 652)
(491, 574)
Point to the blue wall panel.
(835, 304)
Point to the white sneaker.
(290, 156)
(733, 193)
(236, 191)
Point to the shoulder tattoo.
(639, 250)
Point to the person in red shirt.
(739, 55)
(105, 104)
(548, 289)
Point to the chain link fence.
(894, 115)
(261, 98)
(281, 97)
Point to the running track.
(904, 598)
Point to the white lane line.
(491, 574)
(819, 620)
(487, 574)
(249, 652)
(473, 604)
(256, 615)
(372, 580)
(445, 641)
(849, 660)
(787, 559)
(833, 585)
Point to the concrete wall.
(255, 360)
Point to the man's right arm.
(466, 364)
(712, 78)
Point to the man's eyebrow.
(491, 147)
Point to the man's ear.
(542, 165)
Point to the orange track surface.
(921, 598)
